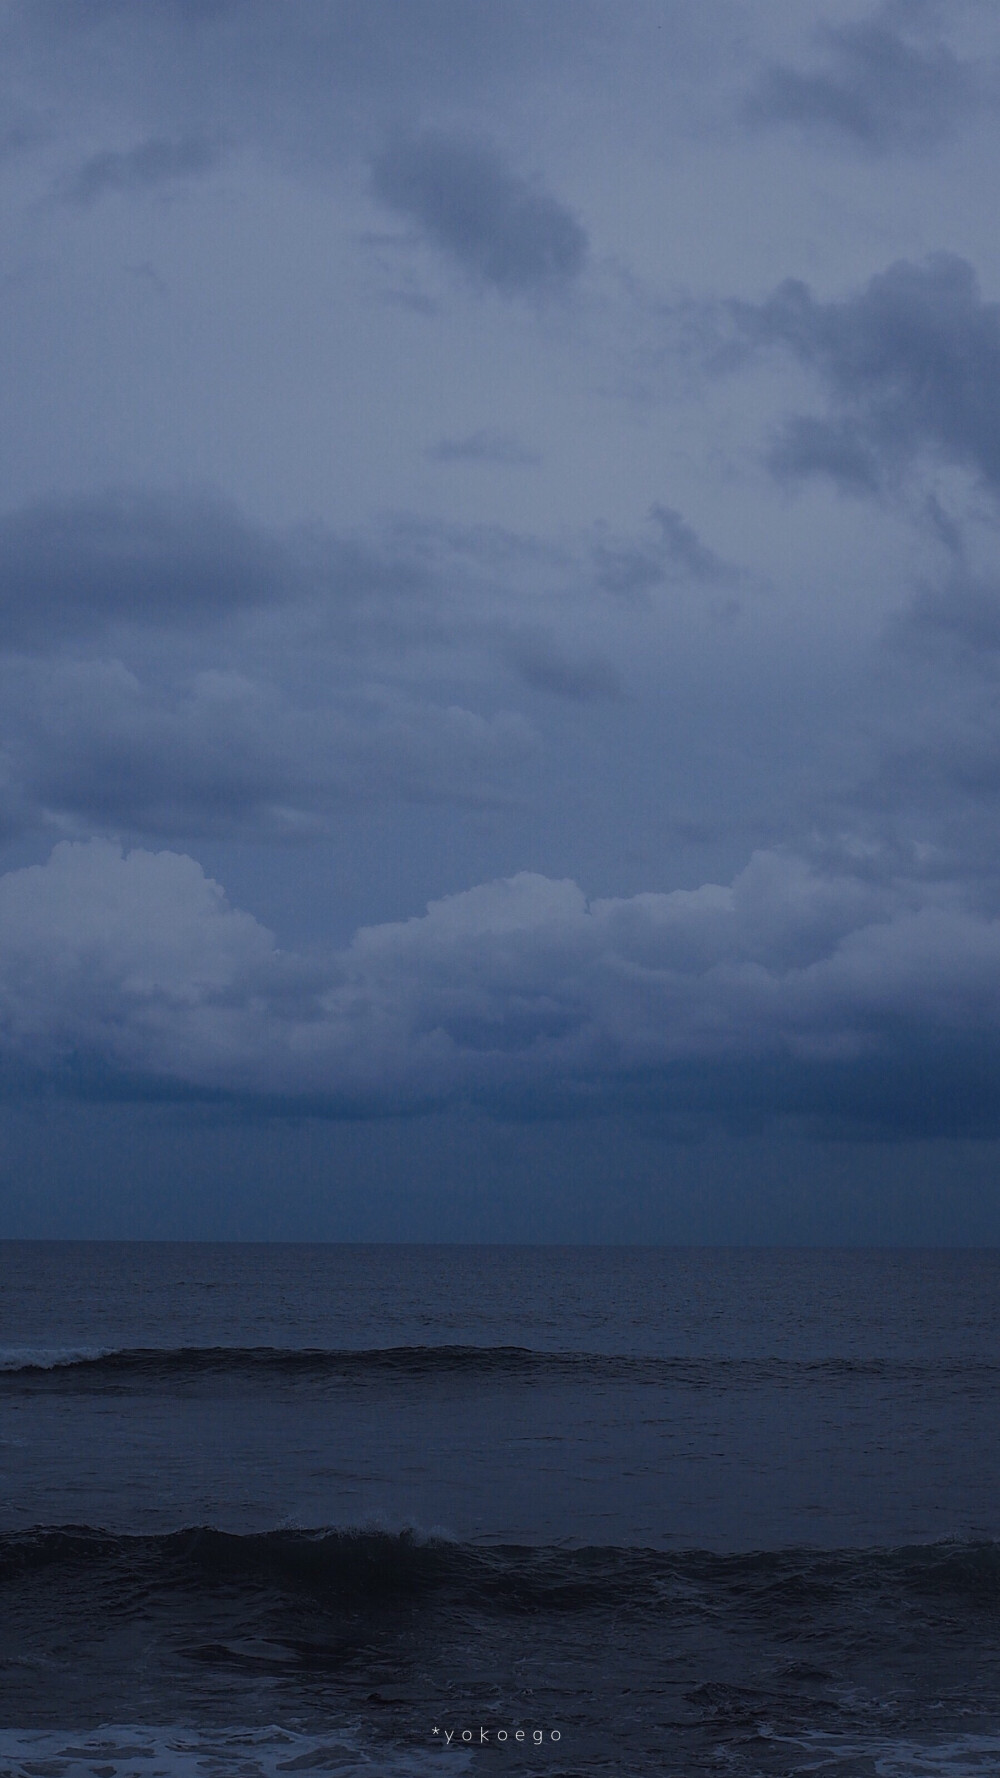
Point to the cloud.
(854, 1001)
(630, 570)
(150, 166)
(938, 720)
(911, 364)
(169, 670)
(484, 446)
(541, 663)
(308, 83)
(501, 228)
(71, 566)
(809, 446)
(120, 962)
(17, 138)
(963, 608)
(223, 752)
(876, 88)
(683, 551)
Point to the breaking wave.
(369, 1562)
(151, 1367)
(119, 1752)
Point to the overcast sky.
(500, 590)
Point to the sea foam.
(133, 1751)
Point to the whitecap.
(133, 1751)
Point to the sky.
(500, 621)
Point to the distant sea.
(411, 1510)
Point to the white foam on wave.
(890, 1756)
(141, 1752)
(49, 1358)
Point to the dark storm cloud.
(912, 364)
(683, 550)
(673, 552)
(847, 1004)
(169, 669)
(71, 566)
(627, 571)
(943, 527)
(222, 753)
(807, 446)
(874, 86)
(500, 227)
(484, 446)
(151, 165)
(963, 608)
(939, 715)
(537, 657)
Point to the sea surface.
(392, 1511)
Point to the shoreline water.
(679, 1509)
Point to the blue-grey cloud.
(962, 607)
(73, 565)
(792, 992)
(876, 87)
(343, 715)
(673, 551)
(626, 570)
(502, 228)
(939, 723)
(17, 138)
(484, 446)
(169, 671)
(153, 165)
(219, 753)
(837, 448)
(683, 551)
(314, 78)
(911, 363)
(167, 668)
(539, 660)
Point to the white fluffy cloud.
(135, 969)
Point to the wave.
(245, 1752)
(35, 1358)
(150, 1364)
(371, 1563)
(780, 1661)
(254, 1752)
(890, 1755)
(141, 1366)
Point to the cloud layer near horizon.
(831, 998)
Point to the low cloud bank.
(855, 1002)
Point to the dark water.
(274, 1509)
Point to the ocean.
(570, 1511)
